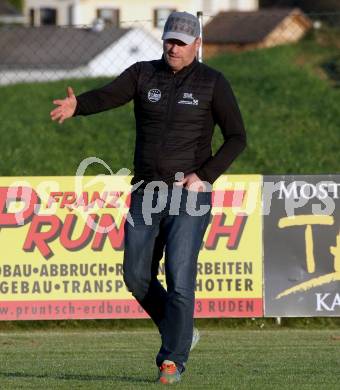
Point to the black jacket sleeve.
(118, 92)
(227, 115)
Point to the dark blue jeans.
(174, 228)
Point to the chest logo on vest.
(154, 95)
(188, 99)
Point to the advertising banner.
(62, 243)
(302, 245)
(229, 279)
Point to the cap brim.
(188, 39)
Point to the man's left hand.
(192, 182)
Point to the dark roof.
(7, 9)
(244, 27)
(52, 47)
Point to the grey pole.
(200, 50)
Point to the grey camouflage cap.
(182, 26)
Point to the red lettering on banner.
(39, 239)
(85, 237)
(83, 200)
(113, 201)
(53, 198)
(228, 198)
(228, 307)
(68, 199)
(104, 200)
(99, 227)
(102, 226)
(98, 199)
(23, 194)
(122, 308)
(218, 229)
(108, 228)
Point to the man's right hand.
(66, 107)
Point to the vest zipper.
(167, 122)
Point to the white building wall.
(131, 10)
(135, 10)
(248, 5)
(136, 45)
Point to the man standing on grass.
(177, 102)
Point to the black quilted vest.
(174, 122)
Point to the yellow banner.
(62, 240)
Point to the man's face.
(178, 54)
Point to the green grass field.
(224, 359)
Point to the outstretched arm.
(114, 94)
(119, 91)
